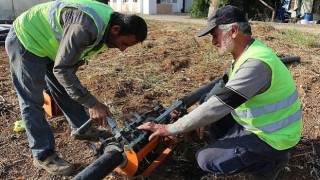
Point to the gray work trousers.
(235, 149)
(31, 74)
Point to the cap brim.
(206, 30)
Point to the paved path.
(175, 18)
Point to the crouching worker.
(253, 115)
(46, 45)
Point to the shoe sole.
(64, 173)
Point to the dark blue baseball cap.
(224, 15)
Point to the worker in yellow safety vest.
(252, 114)
(46, 45)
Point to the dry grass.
(170, 64)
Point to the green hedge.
(199, 8)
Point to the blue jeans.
(236, 150)
(31, 74)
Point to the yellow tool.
(19, 126)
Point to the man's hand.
(98, 113)
(157, 129)
(200, 131)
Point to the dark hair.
(130, 24)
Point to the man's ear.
(115, 29)
(234, 31)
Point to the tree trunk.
(213, 7)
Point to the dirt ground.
(170, 64)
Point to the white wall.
(119, 5)
(176, 7)
(130, 5)
(10, 9)
(149, 7)
(140, 2)
(6, 10)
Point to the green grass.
(296, 37)
(151, 78)
(210, 55)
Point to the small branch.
(271, 8)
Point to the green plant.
(225, 2)
(295, 36)
(210, 55)
(199, 8)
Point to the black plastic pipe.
(112, 157)
(102, 166)
(291, 59)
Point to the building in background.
(151, 6)
(10, 9)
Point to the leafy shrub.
(199, 8)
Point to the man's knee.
(219, 161)
(206, 163)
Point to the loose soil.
(171, 63)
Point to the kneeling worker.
(253, 114)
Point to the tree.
(214, 5)
(199, 8)
(253, 8)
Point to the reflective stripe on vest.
(60, 4)
(276, 125)
(252, 113)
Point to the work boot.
(92, 134)
(54, 165)
(271, 174)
